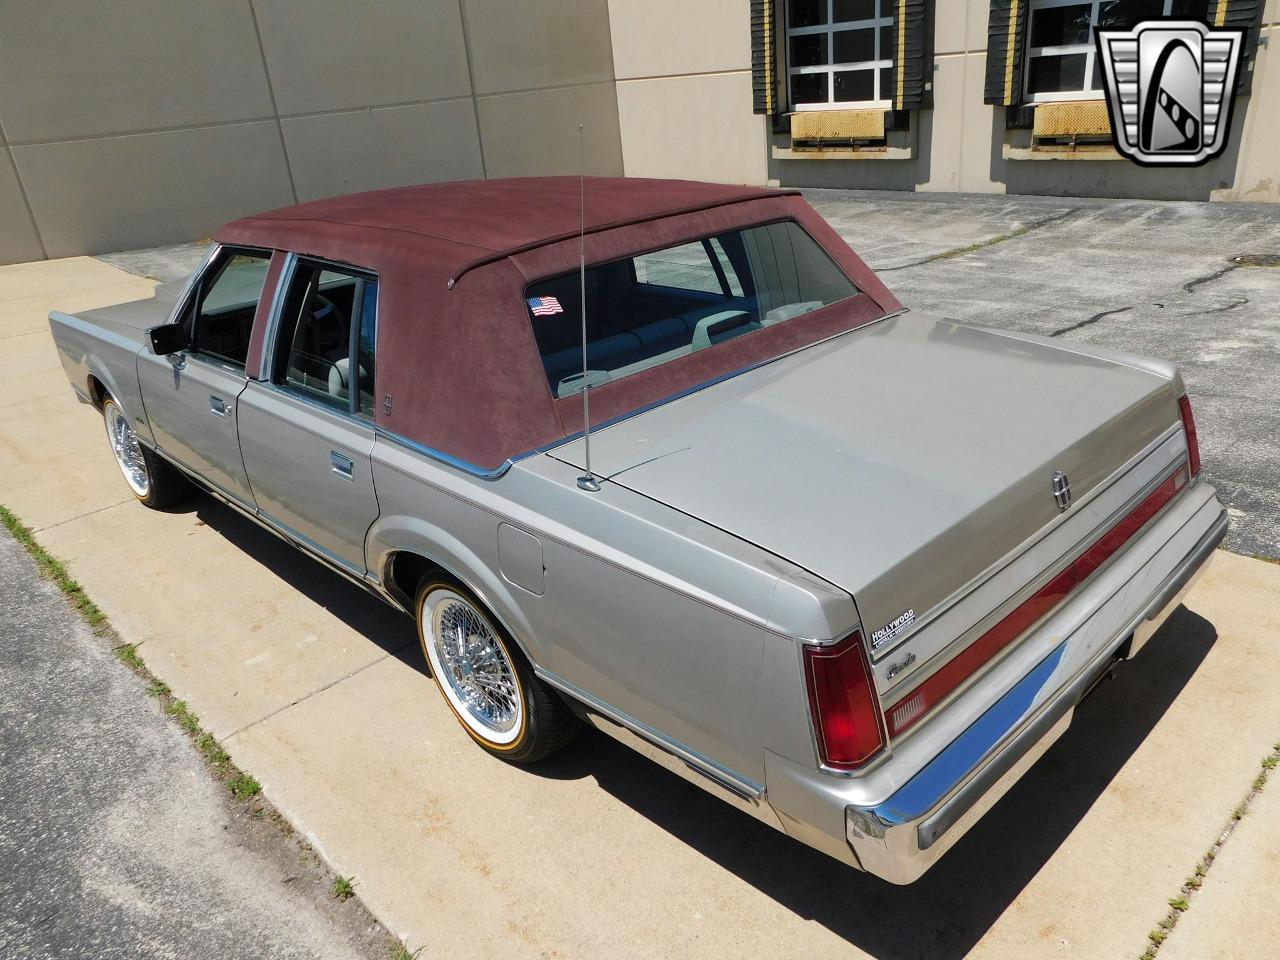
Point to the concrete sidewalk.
(319, 691)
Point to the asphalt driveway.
(1153, 278)
(114, 840)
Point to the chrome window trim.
(184, 296)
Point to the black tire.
(546, 724)
(164, 482)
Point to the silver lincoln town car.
(847, 566)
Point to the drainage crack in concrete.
(1091, 320)
(982, 244)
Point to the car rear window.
(648, 309)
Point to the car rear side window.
(654, 307)
(324, 348)
(221, 321)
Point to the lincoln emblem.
(1062, 490)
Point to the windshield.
(655, 307)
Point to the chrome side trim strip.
(723, 776)
(448, 459)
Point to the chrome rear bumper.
(921, 813)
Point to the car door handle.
(218, 407)
(342, 466)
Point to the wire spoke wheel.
(474, 669)
(127, 450)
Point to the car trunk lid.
(899, 462)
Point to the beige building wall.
(684, 90)
(141, 122)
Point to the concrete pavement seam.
(328, 686)
(81, 516)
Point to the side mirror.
(168, 338)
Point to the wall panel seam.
(690, 73)
(471, 82)
(146, 131)
(271, 92)
(26, 200)
(339, 111)
(547, 89)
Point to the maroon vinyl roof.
(458, 368)
(480, 221)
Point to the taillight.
(1189, 427)
(846, 711)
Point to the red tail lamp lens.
(1193, 441)
(846, 711)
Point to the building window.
(839, 53)
(1061, 57)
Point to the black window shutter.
(912, 55)
(764, 74)
(1006, 47)
(1246, 14)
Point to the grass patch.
(52, 568)
(1182, 903)
(401, 952)
(244, 786)
(344, 887)
(182, 714)
(212, 750)
(127, 653)
(157, 688)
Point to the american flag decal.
(545, 306)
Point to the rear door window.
(655, 307)
(324, 347)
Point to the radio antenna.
(588, 479)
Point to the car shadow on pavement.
(944, 914)
(357, 608)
